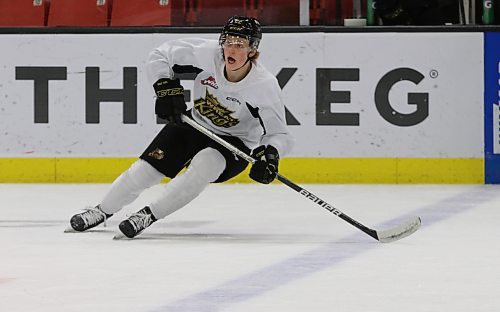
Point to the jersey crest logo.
(210, 108)
(210, 81)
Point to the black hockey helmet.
(244, 27)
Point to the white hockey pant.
(206, 166)
(129, 185)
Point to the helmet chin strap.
(248, 59)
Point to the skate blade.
(120, 236)
(69, 229)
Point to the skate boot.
(92, 217)
(137, 222)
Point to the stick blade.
(399, 232)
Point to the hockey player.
(234, 96)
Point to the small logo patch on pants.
(157, 154)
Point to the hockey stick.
(385, 236)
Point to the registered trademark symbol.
(433, 73)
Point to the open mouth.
(230, 60)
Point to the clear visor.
(236, 42)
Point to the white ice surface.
(254, 248)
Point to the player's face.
(236, 51)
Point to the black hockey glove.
(264, 170)
(170, 104)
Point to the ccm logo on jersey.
(210, 81)
(233, 99)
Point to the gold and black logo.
(210, 108)
(170, 92)
(157, 154)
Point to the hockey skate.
(137, 222)
(91, 217)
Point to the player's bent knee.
(209, 164)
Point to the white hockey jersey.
(251, 109)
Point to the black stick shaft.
(282, 179)
(317, 200)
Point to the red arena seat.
(217, 12)
(274, 12)
(148, 13)
(79, 13)
(23, 12)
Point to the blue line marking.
(257, 283)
